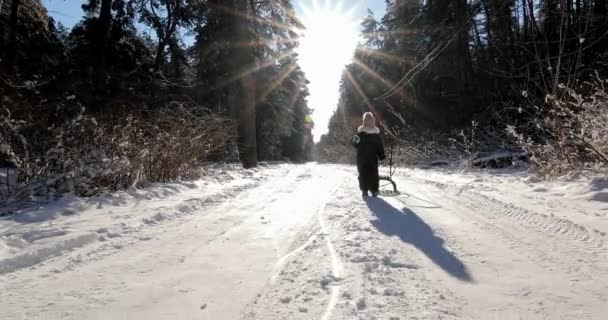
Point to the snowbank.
(33, 235)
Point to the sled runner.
(389, 177)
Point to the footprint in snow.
(361, 304)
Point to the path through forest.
(298, 242)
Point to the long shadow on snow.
(413, 230)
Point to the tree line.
(520, 71)
(209, 79)
(227, 56)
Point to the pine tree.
(11, 47)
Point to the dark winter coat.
(369, 146)
(370, 150)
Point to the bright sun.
(326, 46)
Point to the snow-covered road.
(298, 242)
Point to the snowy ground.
(298, 242)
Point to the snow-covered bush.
(87, 156)
(570, 131)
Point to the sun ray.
(387, 56)
(338, 7)
(294, 99)
(350, 13)
(228, 10)
(401, 94)
(373, 73)
(390, 33)
(265, 64)
(358, 89)
(315, 5)
(277, 81)
(262, 43)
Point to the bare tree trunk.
(502, 31)
(11, 48)
(1, 45)
(175, 57)
(463, 54)
(242, 98)
(247, 124)
(551, 24)
(526, 26)
(600, 10)
(160, 49)
(102, 38)
(1, 31)
(532, 17)
(165, 36)
(480, 46)
(486, 10)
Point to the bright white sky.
(328, 45)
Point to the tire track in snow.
(316, 233)
(573, 267)
(296, 280)
(286, 257)
(542, 222)
(310, 240)
(337, 269)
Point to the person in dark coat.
(370, 150)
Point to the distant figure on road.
(370, 150)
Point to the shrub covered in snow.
(569, 132)
(87, 156)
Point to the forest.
(462, 79)
(159, 159)
(104, 106)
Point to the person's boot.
(375, 193)
(364, 194)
